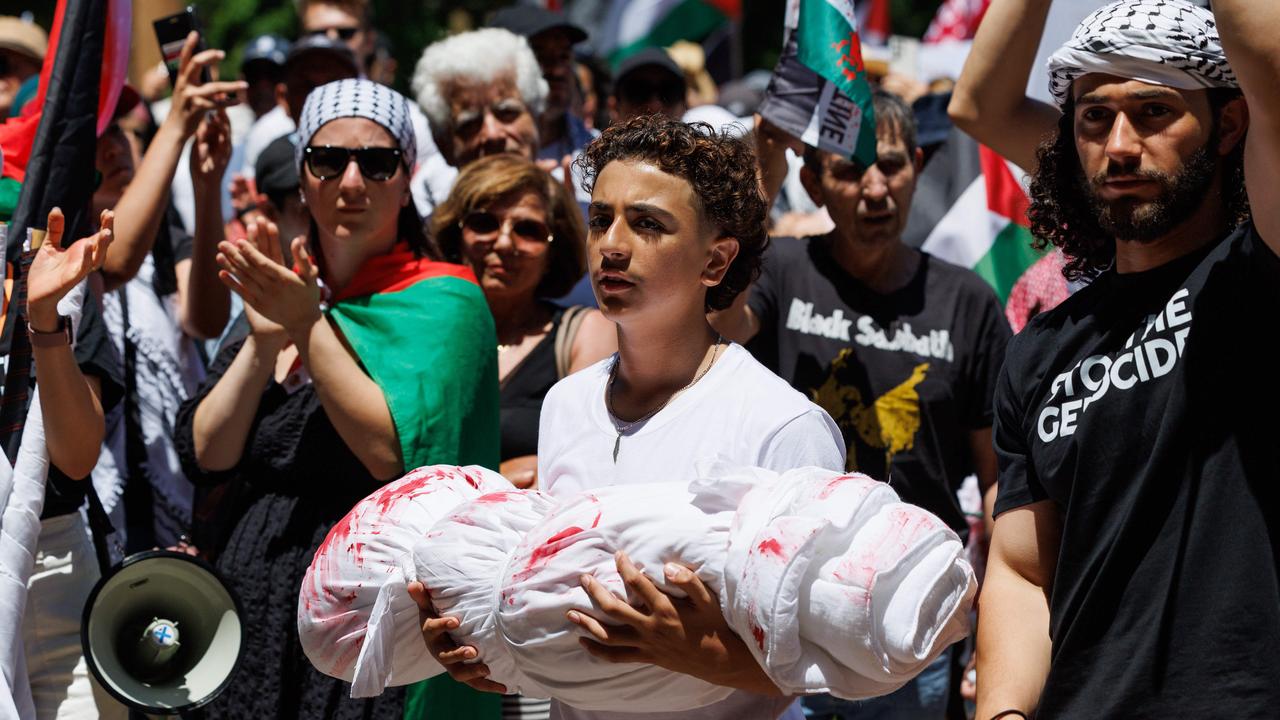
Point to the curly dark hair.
(720, 168)
(1063, 215)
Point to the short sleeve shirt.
(1144, 409)
(906, 375)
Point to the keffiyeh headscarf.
(357, 98)
(1163, 42)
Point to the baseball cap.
(310, 45)
(276, 171)
(270, 48)
(26, 38)
(530, 20)
(648, 56)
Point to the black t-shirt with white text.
(1145, 408)
(907, 375)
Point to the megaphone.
(161, 632)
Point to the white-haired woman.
(316, 408)
(482, 92)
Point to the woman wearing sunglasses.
(367, 356)
(522, 234)
(676, 227)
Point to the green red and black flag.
(819, 92)
(633, 25)
(979, 221)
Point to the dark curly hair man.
(1134, 565)
(721, 172)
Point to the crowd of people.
(301, 284)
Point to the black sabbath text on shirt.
(802, 318)
(1151, 352)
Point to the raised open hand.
(254, 268)
(55, 271)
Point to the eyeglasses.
(485, 223)
(329, 161)
(345, 33)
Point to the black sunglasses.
(330, 161)
(345, 33)
(483, 222)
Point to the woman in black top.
(523, 235)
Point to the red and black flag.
(51, 152)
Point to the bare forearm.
(990, 100)
(1247, 29)
(1013, 642)
(222, 421)
(142, 207)
(206, 302)
(72, 413)
(352, 400)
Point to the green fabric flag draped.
(419, 345)
(827, 43)
(419, 327)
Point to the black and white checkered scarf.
(1163, 42)
(357, 98)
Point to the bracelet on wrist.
(60, 335)
(1010, 713)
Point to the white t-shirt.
(739, 412)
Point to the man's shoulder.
(789, 251)
(771, 400)
(963, 280)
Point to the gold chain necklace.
(623, 428)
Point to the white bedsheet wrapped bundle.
(539, 648)
(353, 608)
(834, 584)
(838, 586)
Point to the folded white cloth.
(356, 620)
(834, 584)
(839, 587)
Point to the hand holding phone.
(171, 33)
(194, 98)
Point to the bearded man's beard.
(1138, 220)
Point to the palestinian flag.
(634, 25)
(982, 224)
(819, 91)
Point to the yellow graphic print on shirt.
(889, 423)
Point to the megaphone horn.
(161, 632)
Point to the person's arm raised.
(203, 302)
(1013, 610)
(990, 100)
(142, 206)
(1248, 32)
(69, 402)
(352, 401)
(224, 417)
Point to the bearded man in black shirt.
(1135, 564)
